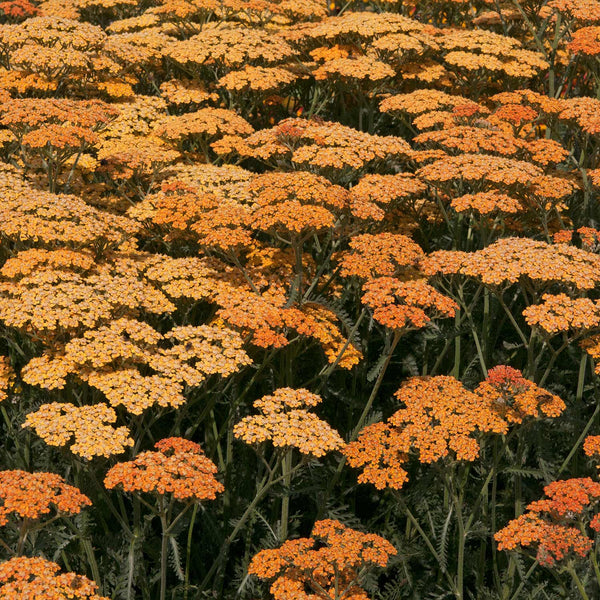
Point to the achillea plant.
(48, 132)
(402, 305)
(330, 565)
(337, 152)
(112, 359)
(441, 419)
(508, 260)
(515, 398)
(286, 422)
(39, 578)
(556, 526)
(177, 471)
(87, 431)
(376, 255)
(28, 499)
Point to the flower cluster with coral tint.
(177, 466)
(328, 565)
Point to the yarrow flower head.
(440, 418)
(286, 422)
(556, 524)
(516, 398)
(409, 304)
(34, 495)
(331, 561)
(177, 466)
(91, 427)
(38, 578)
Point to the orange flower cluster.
(424, 101)
(286, 422)
(469, 52)
(440, 416)
(485, 203)
(560, 313)
(295, 203)
(480, 168)
(205, 123)
(405, 304)
(583, 112)
(591, 446)
(376, 255)
(186, 92)
(177, 467)
(257, 79)
(22, 578)
(90, 426)
(515, 398)
(229, 46)
(328, 565)
(53, 299)
(31, 215)
(33, 495)
(52, 131)
(585, 41)
(556, 524)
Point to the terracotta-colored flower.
(329, 564)
(382, 254)
(556, 524)
(38, 578)
(440, 418)
(405, 304)
(177, 467)
(515, 398)
(34, 495)
(559, 312)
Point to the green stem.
(163, 549)
(577, 582)
(286, 467)
(188, 553)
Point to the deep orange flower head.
(591, 446)
(516, 398)
(33, 495)
(330, 562)
(554, 541)
(295, 202)
(560, 313)
(37, 578)
(177, 467)
(556, 524)
(374, 255)
(440, 418)
(405, 304)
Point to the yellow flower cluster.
(87, 431)
(110, 359)
(286, 422)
